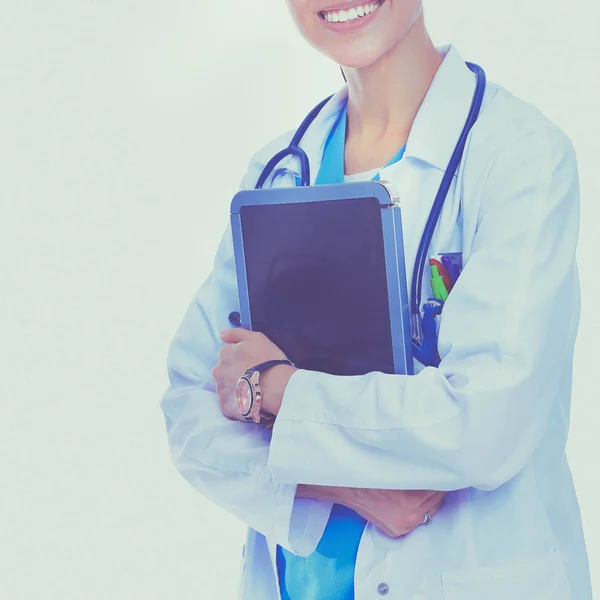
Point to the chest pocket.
(535, 579)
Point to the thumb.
(232, 336)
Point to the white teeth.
(341, 16)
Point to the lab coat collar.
(436, 127)
(443, 112)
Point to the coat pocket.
(541, 578)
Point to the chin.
(360, 52)
(355, 43)
(358, 58)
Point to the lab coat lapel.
(432, 139)
(443, 112)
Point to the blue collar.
(332, 165)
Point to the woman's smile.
(341, 18)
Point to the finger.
(432, 508)
(436, 508)
(417, 516)
(239, 334)
(417, 498)
(433, 503)
(421, 522)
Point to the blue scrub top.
(329, 571)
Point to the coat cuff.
(304, 527)
(300, 410)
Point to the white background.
(125, 128)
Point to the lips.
(346, 13)
(340, 6)
(346, 5)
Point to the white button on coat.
(489, 426)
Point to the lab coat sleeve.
(506, 338)
(225, 460)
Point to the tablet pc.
(320, 271)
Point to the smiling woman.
(452, 483)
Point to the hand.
(244, 349)
(395, 512)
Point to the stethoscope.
(423, 330)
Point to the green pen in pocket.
(437, 285)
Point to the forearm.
(394, 512)
(358, 496)
(323, 493)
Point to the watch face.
(243, 396)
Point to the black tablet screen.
(317, 284)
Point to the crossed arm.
(509, 328)
(395, 512)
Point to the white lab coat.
(489, 426)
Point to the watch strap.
(266, 419)
(268, 364)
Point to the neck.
(384, 98)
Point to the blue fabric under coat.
(328, 573)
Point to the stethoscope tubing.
(294, 150)
(438, 203)
(416, 291)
